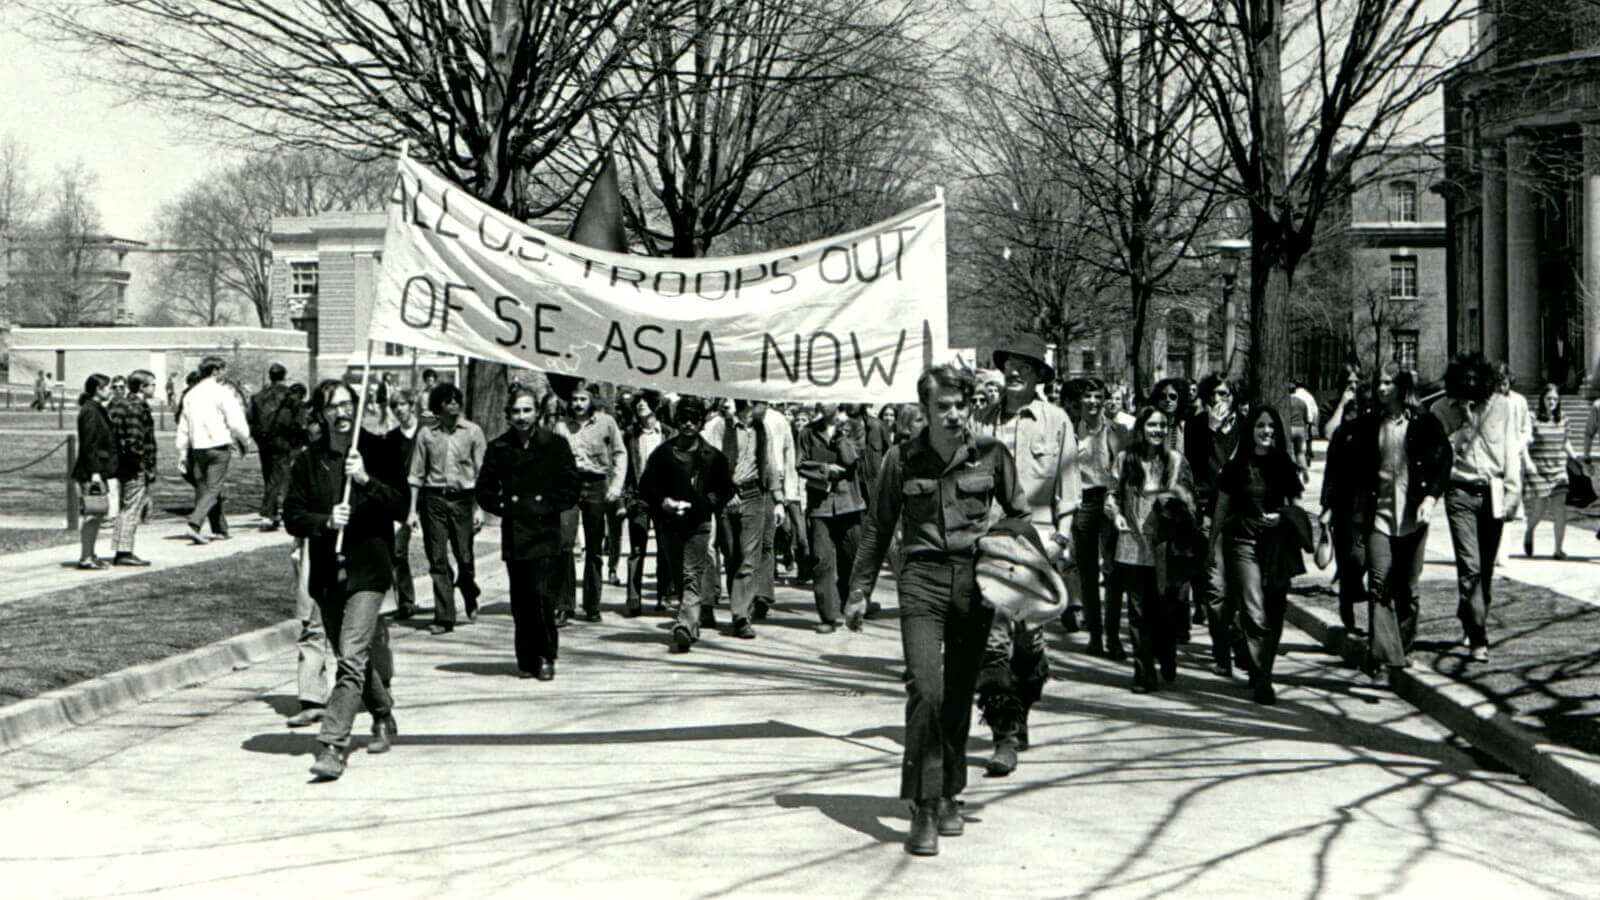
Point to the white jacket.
(212, 417)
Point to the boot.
(1022, 733)
(1004, 760)
(330, 763)
(950, 822)
(924, 837)
(1113, 627)
(383, 733)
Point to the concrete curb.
(1568, 776)
(58, 710)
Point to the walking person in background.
(274, 422)
(1255, 489)
(211, 427)
(1309, 403)
(1485, 481)
(1209, 441)
(643, 440)
(528, 478)
(443, 474)
(135, 432)
(617, 513)
(348, 586)
(95, 469)
(1545, 475)
(403, 413)
(1393, 466)
(602, 457)
(1343, 467)
(1100, 439)
(41, 392)
(1148, 480)
(829, 463)
(744, 440)
(938, 490)
(685, 482)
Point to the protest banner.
(849, 318)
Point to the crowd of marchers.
(1181, 509)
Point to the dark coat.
(316, 485)
(97, 445)
(1428, 461)
(1207, 453)
(528, 485)
(701, 476)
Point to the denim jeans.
(446, 529)
(1213, 590)
(209, 470)
(1394, 568)
(361, 640)
(689, 554)
(1093, 544)
(747, 525)
(1350, 558)
(405, 590)
(1259, 606)
(593, 510)
(943, 630)
(1475, 535)
(1155, 619)
(834, 540)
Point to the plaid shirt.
(134, 430)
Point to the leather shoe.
(760, 611)
(1004, 760)
(1264, 694)
(471, 605)
(1069, 621)
(128, 559)
(383, 733)
(951, 824)
(404, 612)
(1115, 651)
(563, 618)
(825, 628)
(310, 715)
(924, 837)
(547, 670)
(708, 617)
(440, 628)
(741, 629)
(587, 617)
(330, 763)
(682, 640)
(1480, 654)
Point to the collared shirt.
(941, 508)
(649, 440)
(212, 417)
(829, 494)
(1390, 515)
(744, 462)
(448, 459)
(1484, 440)
(598, 447)
(1097, 450)
(768, 457)
(1044, 446)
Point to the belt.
(941, 556)
(593, 476)
(448, 491)
(1476, 487)
(1094, 491)
(753, 484)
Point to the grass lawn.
(75, 634)
(40, 489)
(16, 540)
(1544, 657)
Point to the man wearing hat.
(1044, 444)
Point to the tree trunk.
(1136, 342)
(1269, 372)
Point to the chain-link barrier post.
(72, 483)
(60, 415)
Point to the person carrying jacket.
(95, 469)
(829, 463)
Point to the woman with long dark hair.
(1255, 487)
(1545, 481)
(1149, 478)
(96, 467)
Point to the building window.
(1402, 201)
(1402, 278)
(393, 349)
(303, 280)
(1405, 349)
(1088, 360)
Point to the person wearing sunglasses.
(1209, 442)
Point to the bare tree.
(488, 91)
(1300, 93)
(755, 95)
(61, 278)
(18, 197)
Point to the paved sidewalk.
(769, 768)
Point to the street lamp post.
(1231, 249)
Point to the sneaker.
(196, 537)
(825, 628)
(92, 563)
(741, 629)
(1480, 654)
(128, 559)
(330, 763)
(440, 628)
(682, 640)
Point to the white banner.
(850, 318)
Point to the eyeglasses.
(1222, 392)
(342, 405)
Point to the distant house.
(69, 355)
(65, 282)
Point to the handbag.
(1580, 488)
(1324, 554)
(94, 501)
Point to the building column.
(1524, 340)
(1591, 258)
(1492, 249)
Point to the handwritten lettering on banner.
(844, 319)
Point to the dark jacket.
(528, 485)
(97, 444)
(699, 475)
(275, 419)
(135, 432)
(872, 442)
(830, 495)
(1207, 453)
(316, 485)
(1428, 461)
(630, 483)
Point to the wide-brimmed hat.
(1026, 346)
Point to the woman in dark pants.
(1147, 476)
(95, 469)
(828, 460)
(1255, 486)
(1340, 471)
(528, 479)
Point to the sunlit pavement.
(770, 767)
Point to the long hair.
(1132, 471)
(91, 387)
(1469, 377)
(1555, 415)
(1405, 385)
(1283, 476)
(323, 397)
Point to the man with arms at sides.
(134, 430)
(1100, 438)
(602, 457)
(528, 478)
(210, 427)
(274, 421)
(443, 475)
(1044, 446)
(756, 479)
(348, 582)
(937, 488)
